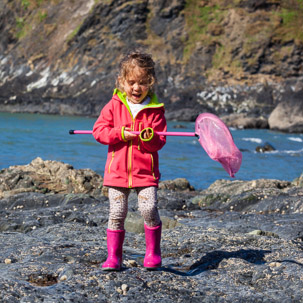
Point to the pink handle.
(184, 134)
(80, 132)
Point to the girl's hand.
(128, 135)
(147, 133)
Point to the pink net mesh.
(217, 141)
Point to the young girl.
(132, 160)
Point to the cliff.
(239, 57)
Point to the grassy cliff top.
(224, 39)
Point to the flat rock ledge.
(236, 241)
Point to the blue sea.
(23, 137)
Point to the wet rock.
(241, 243)
(259, 232)
(48, 177)
(267, 147)
(135, 223)
(257, 196)
(179, 184)
(298, 181)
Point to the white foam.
(289, 152)
(255, 140)
(296, 139)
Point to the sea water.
(23, 137)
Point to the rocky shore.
(236, 241)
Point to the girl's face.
(136, 85)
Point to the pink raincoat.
(132, 163)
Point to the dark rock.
(240, 240)
(253, 5)
(257, 196)
(179, 184)
(185, 114)
(266, 147)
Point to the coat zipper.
(152, 166)
(111, 161)
(130, 146)
(140, 125)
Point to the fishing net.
(217, 141)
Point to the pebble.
(132, 263)
(124, 287)
(275, 264)
(63, 278)
(119, 290)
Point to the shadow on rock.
(212, 260)
(290, 261)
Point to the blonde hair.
(130, 61)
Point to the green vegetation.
(287, 16)
(103, 1)
(42, 15)
(26, 4)
(208, 200)
(232, 36)
(20, 23)
(73, 33)
(206, 25)
(291, 22)
(200, 20)
(29, 16)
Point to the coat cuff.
(122, 134)
(141, 134)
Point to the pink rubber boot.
(115, 240)
(152, 258)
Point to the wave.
(255, 140)
(288, 152)
(296, 139)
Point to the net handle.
(184, 134)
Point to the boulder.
(287, 117)
(256, 196)
(242, 121)
(48, 177)
(178, 184)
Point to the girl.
(132, 160)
